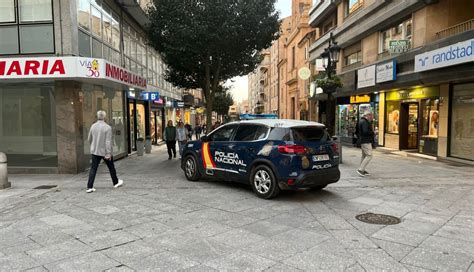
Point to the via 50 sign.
(458, 53)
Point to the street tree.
(206, 42)
(222, 101)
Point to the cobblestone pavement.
(160, 221)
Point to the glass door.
(413, 126)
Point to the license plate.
(318, 158)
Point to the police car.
(271, 155)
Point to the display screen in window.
(393, 116)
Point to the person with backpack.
(170, 138)
(198, 131)
(365, 139)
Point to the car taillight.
(292, 149)
(335, 148)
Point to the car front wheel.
(264, 183)
(191, 170)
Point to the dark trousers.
(95, 164)
(171, 145)
(198, 135)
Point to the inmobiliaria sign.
(121, 75)
(68, 67)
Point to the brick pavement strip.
(159, 221)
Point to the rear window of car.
(279, 134)
(310, 134)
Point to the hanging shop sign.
(179, 104)
(454, 54)
(68, 67)
(304, 73)
(357, 99)
(398, 46)
(417, 93)
(386, 71)
(366, 77)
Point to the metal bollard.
(4, 172)
(148, 145)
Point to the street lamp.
(330, 58)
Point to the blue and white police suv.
(270, 154)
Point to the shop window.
(107, 29)
(111, 101)
(7, 11)
(83, 14)
(353, 58)
(462, 122)
(96, 22)
(352, 54)
(36, 39)
(116, 32)
(35, 10)
(347, 120)
(393, 117)
(28, 125)
(402, 31)
(352, 6)
(8, 40)
(84, 44)
(96, 49)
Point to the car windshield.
(310, 134)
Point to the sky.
(239, 85)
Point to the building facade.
(259, 85)
(411, 63)
(294, 55)
(61, 62)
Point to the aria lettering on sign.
(32, 67)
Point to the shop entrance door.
(409, 126)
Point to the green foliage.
(223, 100)
(205, 43)
(326, 83)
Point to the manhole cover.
(379, 219)
(44, 187)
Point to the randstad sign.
(454, 54)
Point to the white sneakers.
(119, 184)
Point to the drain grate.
(45, 187)
(378, 219)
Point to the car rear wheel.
(191, 170)
(264, 183)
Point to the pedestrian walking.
(365, 138)
(198, 131)
(170, 138)
(100, 139)
(189, 131)
(182, 137)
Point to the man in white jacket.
(100, 139)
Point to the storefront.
(48, 105)
(412, 119)
(461, 144)
(350, 110)
(157, 120)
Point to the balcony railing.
(459, 28)
(319, 9)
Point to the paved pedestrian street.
(159, 221)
